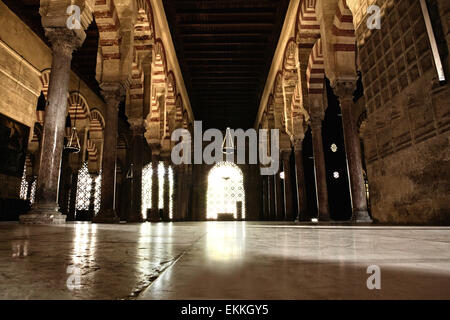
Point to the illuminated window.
(24, 187)
(84, 187)
(97, 193)
(24, 184)
(147, 189)
(33, 192)
(225, 189)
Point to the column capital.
(344, 88)
(156, 150)
(298, 145)
(285, 154)
(137, 126)
(316, 120)
(113, 93)
(64, 41)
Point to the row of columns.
(272, 191)
(46, 208)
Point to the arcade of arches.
(363, 116)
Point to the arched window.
(147, 189)
(84, 187)
(225, 190)
(87, 184)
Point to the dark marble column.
(271, 194)
(345, 89)
(301, 188)
(154, 211)
(288, 203)
(135, 212)
(279, 207)
(166, 191)
(178, 191)
(73, 195)
(319, 168)
(113, 94)
(265, 201)
(46, 208)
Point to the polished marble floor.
(222, 260)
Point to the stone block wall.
(406, 138)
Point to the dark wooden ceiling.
(84, 60)
(225, 49)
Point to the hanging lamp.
(228, 143)
(73, 145)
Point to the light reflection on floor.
(221, 260)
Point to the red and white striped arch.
(78, 107)
(97, 123)
(159, 75)
(45, 81)
(307, 28)
(144, 30)
(179, 111)
(108, 24)
(343, 29)
(170, 101)
(290, 58)
(92, 151)
(315, 74)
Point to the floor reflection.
(225, 241)
(84, 245)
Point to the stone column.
(271, 189)
(178, 192)
(344, 90)
(92, 200)
(154, 211)
(319, 168)
(46, 208)
(301, 187)
(184, 198)
(112, 93)
(166, 191)
(265, 202)
(73, 195)
(135, 213)
(279, 211)
(288, 205)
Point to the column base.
(106, 216)
(154, 216)
(361, 216)
(324, 217)
(43, 213)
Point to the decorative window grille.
(24, 184)
(97, 193)
(84, 187)
(33, 192)
(147, 189)
(225, 189)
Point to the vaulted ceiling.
(225, 49)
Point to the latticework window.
(97, 193)
(225, 190)
(33, 192)
(24, 184)
(147, 189)
(84, 188)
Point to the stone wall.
(408, 117)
